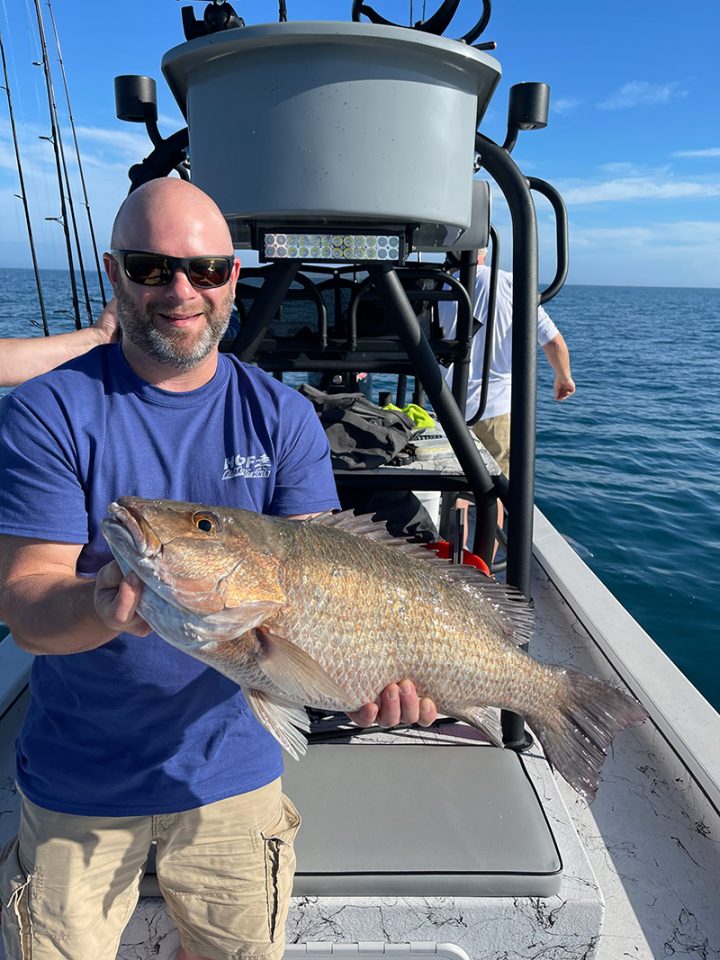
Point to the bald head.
(171, 211)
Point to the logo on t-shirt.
(252, 468)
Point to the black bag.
(361, 434)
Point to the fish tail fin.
(577, 733)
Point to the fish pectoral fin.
(484, 719)
(245, 617)
(282, 720)
(298, 674)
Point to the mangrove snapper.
(326, 612)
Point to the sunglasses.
(158, 269)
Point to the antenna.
(86, 201)
(23, 194)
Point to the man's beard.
(173, 348)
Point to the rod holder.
(136, 98)
(527, 110)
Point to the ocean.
(628, 469)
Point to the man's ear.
(112, 269)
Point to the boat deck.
(648, 855)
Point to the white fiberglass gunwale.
(688, 722)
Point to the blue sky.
(633, 141)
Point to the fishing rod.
(66, 179)
(23, 195)
(86, 200)
(55, 139)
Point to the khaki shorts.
(69, 884)
(494, 434)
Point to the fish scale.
(400, 614)
(327, 612)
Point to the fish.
(325, 612)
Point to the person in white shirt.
(493, 430)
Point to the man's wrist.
(98, 336)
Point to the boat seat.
(419, 821)
(389, 820)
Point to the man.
(493, 429)
(22, 358)
(126, 739)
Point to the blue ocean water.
(628, 468)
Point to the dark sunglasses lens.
(150, 269)
(209, 271)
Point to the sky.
(632, 142)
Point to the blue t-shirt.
(136, 726)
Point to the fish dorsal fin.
(283, 720)
(365, 526)
(300, 676)
(513, 606)
(510, 602)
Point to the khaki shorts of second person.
(69, 884)
(494, 434)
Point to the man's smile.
(185, 320)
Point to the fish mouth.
(125, 527)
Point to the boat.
(429, 842)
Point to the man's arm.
(558, 357)
(22, 358)
(50, 610)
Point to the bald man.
(127, 740)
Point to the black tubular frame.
(427, 371)
(521, 492)
(489, 327)
(265, 306)
(521, 497)
(561, 242)
(424, 364)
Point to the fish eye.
(207, 522)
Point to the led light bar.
(332, 246)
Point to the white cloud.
(636, 188)
(564, 104)
(622, 168)
(640, 93)
(661, 253)
(708, 152)
(176, 122)
(135, 146)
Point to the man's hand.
(563, 387)
(116, 599)
(398, 703)
(106, 326)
